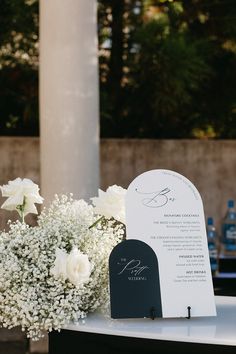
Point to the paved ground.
(14, 341)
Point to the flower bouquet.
(57, 271)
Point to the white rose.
(59, 268)
(78, 267)
(21, 193)
(111, 203)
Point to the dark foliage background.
(167, 68)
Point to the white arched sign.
(165, 210)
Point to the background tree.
(178, 71)
(167, 68)
(19, 67)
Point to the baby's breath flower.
(31, 296)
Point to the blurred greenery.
(19, 67)
(167, 68)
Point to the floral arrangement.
(57, 271)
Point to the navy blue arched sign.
(134, 281)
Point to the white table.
(202, 334)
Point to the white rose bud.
(78, 267)
(111, 203)
(59, 268)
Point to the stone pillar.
(69, 118)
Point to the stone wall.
(209, 164)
